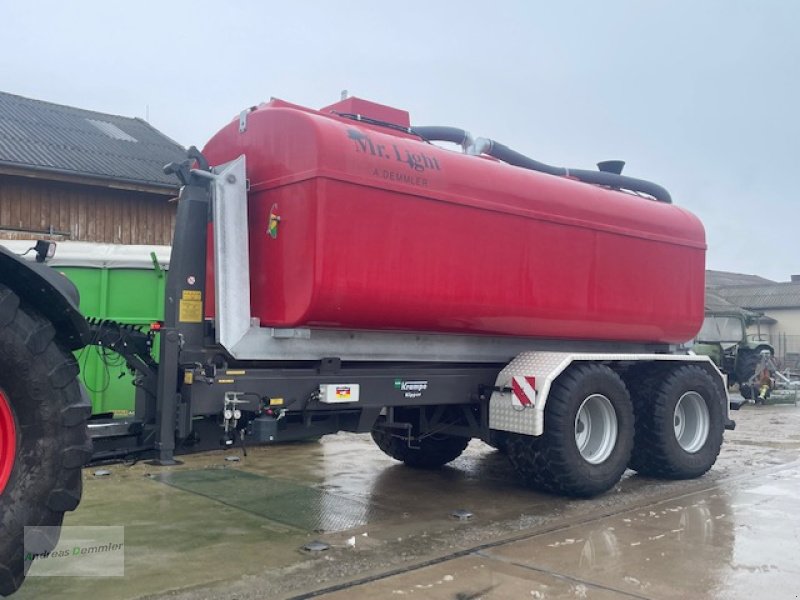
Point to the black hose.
(442, 134)
(605, 178)
(513, 157)
(371, 121)
(608, 176)
(622, 181)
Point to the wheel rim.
(691, 422)
(8, 441)
(596, 429)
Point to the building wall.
(29, 207)
(784, 334)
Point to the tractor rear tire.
(45, 439)
(433, 451)
(679, 423)
(587, 439)
(746, 367)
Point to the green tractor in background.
(724, 338)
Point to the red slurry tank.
(359, 226)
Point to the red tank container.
(362, 227)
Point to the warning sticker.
(334, 393)
(190, 308)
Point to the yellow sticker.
(229, 372)
(224, 380)
(192, 295)
(188, 377)
(190, 311)
(275, 401)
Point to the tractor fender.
(761, 347)
(50, 293)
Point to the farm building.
(777, 301)
(73, 174)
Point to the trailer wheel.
(43, 437)
(499, 441)
(679, 424)
(587, 439)
(432, 451)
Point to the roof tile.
(62, 138)
(769, 295)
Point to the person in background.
(766, 381)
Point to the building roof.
(717, 304)
(62, 140)
(727, 278)
(764, 296)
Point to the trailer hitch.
(132, 344)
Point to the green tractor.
(724, 338)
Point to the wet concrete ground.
(213, 528)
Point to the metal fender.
(522, 387)
(50, 293)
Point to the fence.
(787, 349)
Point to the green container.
(123, 284)
(129, 296)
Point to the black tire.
(746, 367)
(39, 381)
(553, 462)
(433, 451)
(657, 450)
(746, 390)
(499, 441)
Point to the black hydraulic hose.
(622, 181)
(439, 133)
(605, 178)
(513, 157)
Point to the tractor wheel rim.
(691, 421)
(596, 429)
(8, 441)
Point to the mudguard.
(50, 293)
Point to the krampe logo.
(411, 389)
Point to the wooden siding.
(31, 206)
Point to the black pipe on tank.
(438, 133)
(513, 157)
(605, 178)
(609, 174)
(622, 181)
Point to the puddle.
(303, 507)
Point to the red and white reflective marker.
(523, 391)
(8, 441)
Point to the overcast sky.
(701, 96)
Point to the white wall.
(784, 335)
